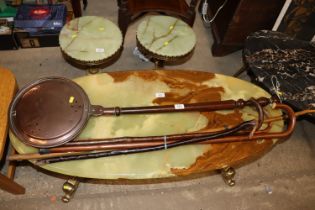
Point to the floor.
(283, 179)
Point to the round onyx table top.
(90, 40)
(142, 88)
(165, 36)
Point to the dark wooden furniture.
(76, 6)
(129, 10)
(238, 19)
(283, 66)
(8, 88)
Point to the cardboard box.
(39, 25)
(26, 40)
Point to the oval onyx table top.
(142, 88)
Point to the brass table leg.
(228, 174)
(69, 188)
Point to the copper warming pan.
(52, 111)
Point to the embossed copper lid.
(49, 112)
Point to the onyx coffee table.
(162, 87)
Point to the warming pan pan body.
(49, 112)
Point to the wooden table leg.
(124, 16)
(76, 6)
(85, 3)
(12, 164)
(9, 185)
(240, 71)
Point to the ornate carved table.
(142, 88)
(165, 39)
(90, 42)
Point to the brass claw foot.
(69, 188)
(228, 174)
